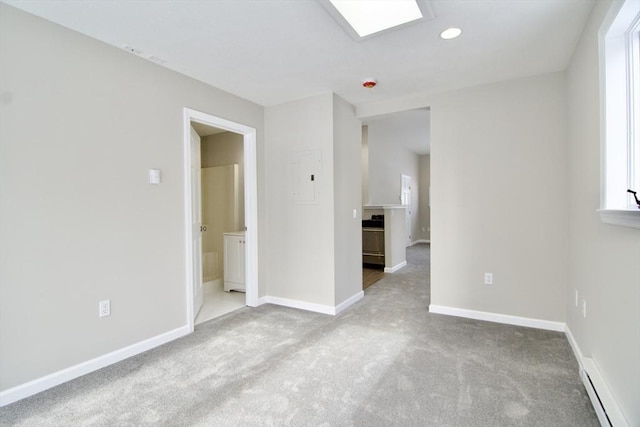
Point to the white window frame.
(620, 108)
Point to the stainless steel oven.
(373, 241)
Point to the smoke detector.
(369, 84)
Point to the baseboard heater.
(604, 404)
(601, 412)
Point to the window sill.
(622, 217)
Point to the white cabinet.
(234, 261)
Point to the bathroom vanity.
(234, 261)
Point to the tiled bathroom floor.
(218, 302)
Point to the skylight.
(372, 16)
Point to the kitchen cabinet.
(395, 235)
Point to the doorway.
(396, 167)
(222, 208)
(194, 226)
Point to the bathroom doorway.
(222, 207)
(227, 200)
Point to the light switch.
(355, 213)
(154, 176)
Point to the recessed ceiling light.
(371, 16)
(450, 33)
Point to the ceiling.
(275, 51)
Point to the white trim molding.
(574, 346)
(317, 308)
(498, 318)
(349, 302)
(302, 305)
(624, 218)
(250, 202)
(618, 65)
(605, 405)
(44, 383)
(395, 267)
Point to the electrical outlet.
(488, 278)
(576, 297)
(584, 308)
(104, 308)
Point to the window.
(620, 87)
(370, 17)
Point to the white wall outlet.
(576, 297)
(104, 308)
(488, 278)
(355, 213)
(584, 308)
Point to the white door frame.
(250, 200)
(406, 201)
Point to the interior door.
(405, 198)
(196, 222)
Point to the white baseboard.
(574, 346)
(302, 305)
(602, 399)
(317, 308)
(605, 405)
(349, 302)
(395, 267)
(498, 318)
(41, 384)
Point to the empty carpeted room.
(511, 297)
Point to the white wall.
(498, 195)
(395, 244)
(365, 165)
(82, 123)
(314, 247)
(498, 198)
(222, 149)
(387, 162)
(300, 237)
(347, 149)
(603, 262)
